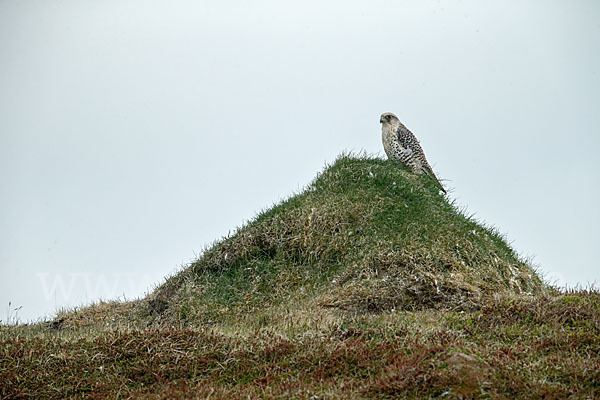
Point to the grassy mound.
(368, 284)
(365, 235)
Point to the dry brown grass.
(528, 348)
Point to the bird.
(401, 145)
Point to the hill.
(368, 283)
(366, 235)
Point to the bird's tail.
(430, 172)
(441, 187)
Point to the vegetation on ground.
(367, 284)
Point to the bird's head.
(388, 118)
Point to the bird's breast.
(389, 139)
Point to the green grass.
(365, 236)
(367, 284)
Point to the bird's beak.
(381, 120)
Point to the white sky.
(133, 133)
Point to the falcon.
(401, 145)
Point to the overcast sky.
(135, 133)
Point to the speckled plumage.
(401, 145)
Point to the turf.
(367, 284)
